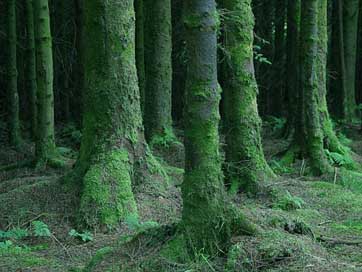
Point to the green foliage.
(85, 236)
(16, 234)
(259, 57)
(275, 124)
(279, 168)
(133, 223)
(338, 159)
(288, 202)
(165, 140)
(41, 229)
(71, 133)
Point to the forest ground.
(305, 223)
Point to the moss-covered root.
(218, 240)
(107, 195)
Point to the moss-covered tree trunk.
(45, 143)
(245, 163)
(350, 29)
(206, 221)
(30, 76)
(158, 45)
(12, 73)
(316, 124)
(113, 150)
(140, 48)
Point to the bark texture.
(245, 163)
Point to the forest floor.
(305, 223)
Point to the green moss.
(107, 197)
(176, 250)
(98, 258)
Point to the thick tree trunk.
(158, 44)
(13, 96)
(245, 163)
(113, 153)
(45, 144)
(350, 29)
(31, 85)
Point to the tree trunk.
(113, 152)
(45, 144)
(350, 29)
(277, 92)
(13, 96)
(206, 220)
(31, 85)
(245, 162)
(292, 64)
(140, 49)
(158, 44)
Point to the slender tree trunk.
(350, 29)
(277, 92)
(246, 165)
(45, 144)
(207, 220)
(31, 85)
(158, 44)
(140, 49)
(292, 64)
(13, 96)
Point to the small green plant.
(133, 224)
(40, 229)
(259, 57)
(14, 234)
(85, 236)
(279, 168)
(339, 160)
(289, 202)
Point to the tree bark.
(13, 96)
(45, 144)
(31, 84)
(245, 163)
(158, 45)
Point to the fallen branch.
(334, 241)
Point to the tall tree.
(113, 154)
(31, 85)
(350, 29)
(246, 165)
(276, 95)
(314, 133)
(207, 219)
(292, 64)
(13, 96)
(45, 144)
(158, 45)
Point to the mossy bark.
(45, 143)
(158, 45)
(316, 123)
(12, 73)
(30, 76)
(207, 222)
(113, 149)
(245, 163)
(350, 29)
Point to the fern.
(41, 229)
(85, 236)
